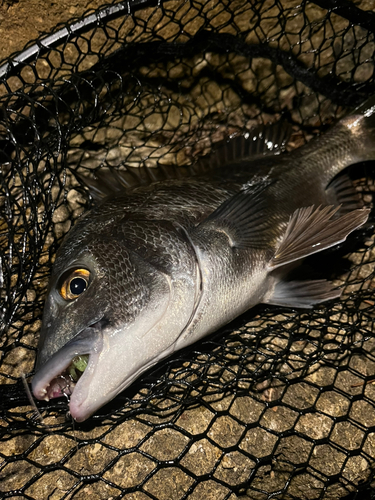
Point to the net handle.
(108, 13)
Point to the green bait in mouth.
(78, 366)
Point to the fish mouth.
(64, 384)
(69, 371)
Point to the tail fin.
(361, 124)
(350, 141)
(366, 110)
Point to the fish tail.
(352, 141)
(366, 110)
(361, 126)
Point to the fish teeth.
(44, 393)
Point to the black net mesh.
(280, 404)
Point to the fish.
(157, 265)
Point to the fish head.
(118, 298)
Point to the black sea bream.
(157, 267)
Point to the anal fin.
(341, 191)
(311, 230)
(303, 294)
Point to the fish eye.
(77, 286)
(74, 283)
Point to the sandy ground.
(22, 21)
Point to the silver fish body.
(154, 269)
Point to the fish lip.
(80, 412)
(80, 392)
(88, 341)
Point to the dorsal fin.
(262, 141)
(110, 181)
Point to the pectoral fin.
(312, 230)
(302, 293)
(243, 217)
